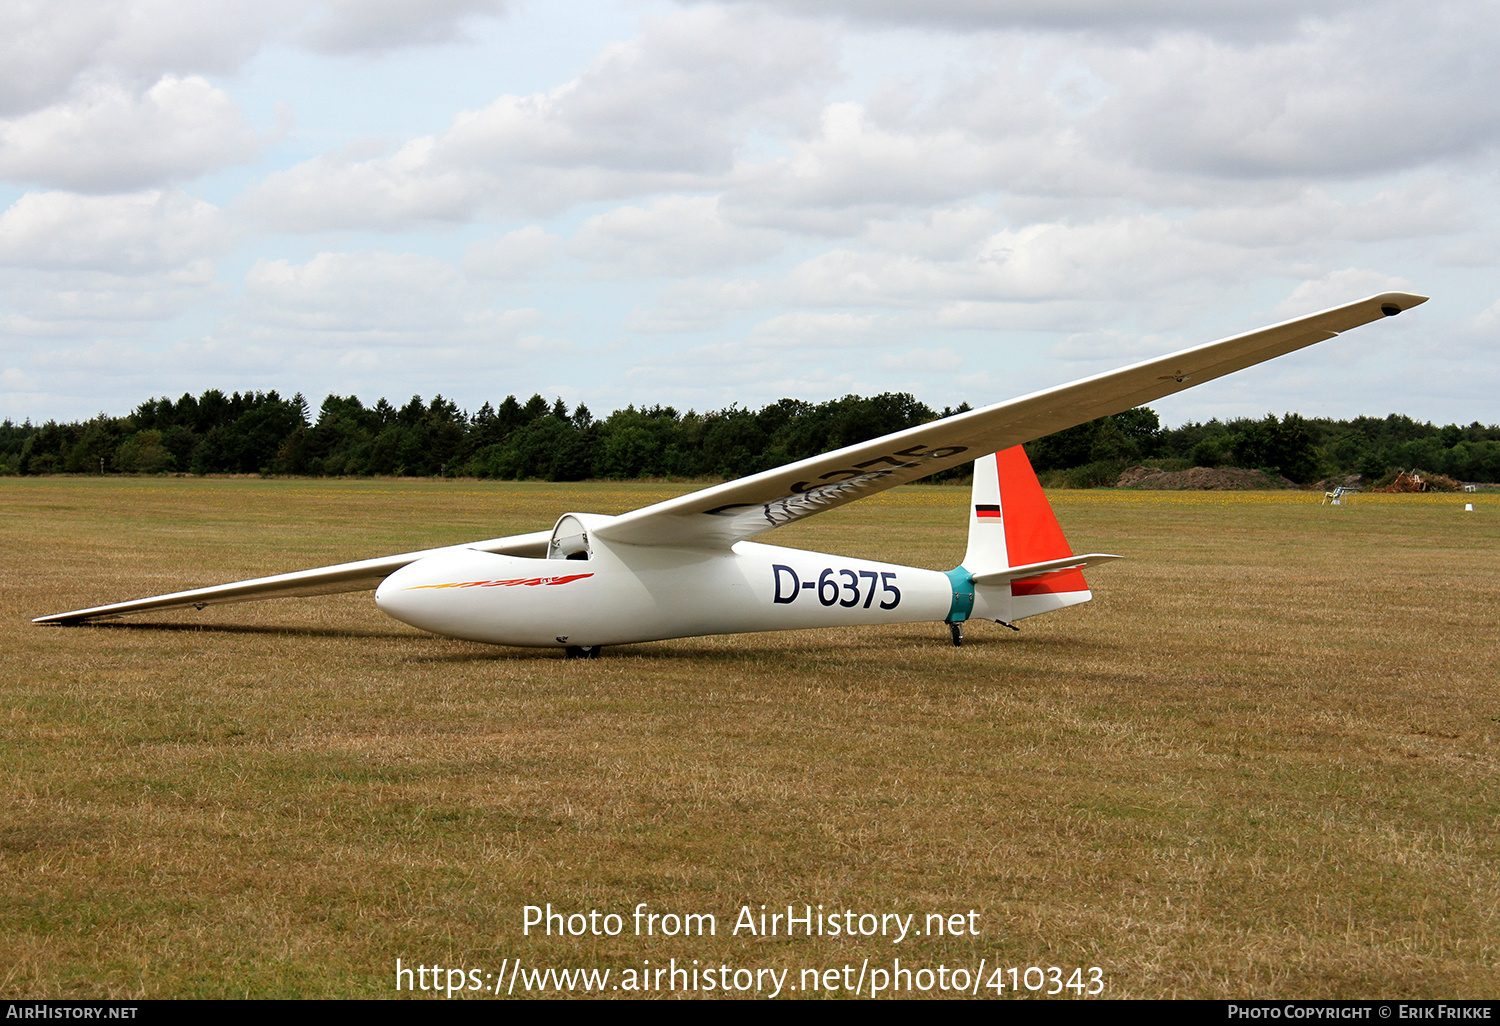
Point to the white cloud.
(71, 263)
(43, 46)
(369, 290)
(1172, 119)
(857, 169)
(1338, 287)
(698, 304)
(13, 379)
(944, 233)
(106, 138)
(134, 233)
(807, 330)
(666, 111)
(956, 272)
(1235, 17)
(675, 235)
(821, 196)
(518, 254)
(1011, 316)
(404, 191)
(923, 361)
(1108, 259)
(69, 302)
(377, 298)
(344, 26)
(1112, 346)
(1365, 92)
(1313, 220)
(863, 168)
(1485, 324)
(718, 375)
(95, 357)
(47, 49)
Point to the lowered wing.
(363, 575)
(736, 510)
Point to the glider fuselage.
(630, 593)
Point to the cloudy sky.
(706, 203)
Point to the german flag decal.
(987, 511)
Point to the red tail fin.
(1032, 533)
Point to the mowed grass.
(1262, 763)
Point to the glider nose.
(480, 596)
(416, 593)
(395, 599)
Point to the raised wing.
(363, 575)
(741, 509)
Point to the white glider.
(686, 567)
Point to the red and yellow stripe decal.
(528, 582)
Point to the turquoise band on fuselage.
(963, 595)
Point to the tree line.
(262, 433)
(1299, 448)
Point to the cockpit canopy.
(570, 540)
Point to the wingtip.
(72, 618)
(1392, 303)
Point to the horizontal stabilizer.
(1021, 573)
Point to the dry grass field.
(1263, 762)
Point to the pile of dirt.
(1206, 479)
(1421, 481)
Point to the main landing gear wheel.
(956, 632)
(582, 651)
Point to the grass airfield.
(1263, 762)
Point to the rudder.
(1011, 524)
